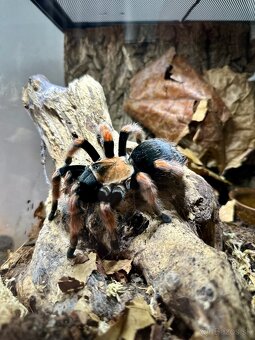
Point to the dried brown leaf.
(238, 94)
(197, 166)
(111, 266)
(84, 312)
(80, 258)
(68, 284)
(82, 271)
(200, 113)
(167, 106)
(137, 316)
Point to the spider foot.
(70, 253)
(51, 215)
(165, 218)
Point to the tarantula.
(107, 180)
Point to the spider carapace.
(106, 181)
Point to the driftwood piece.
(194, 281)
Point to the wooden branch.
(61, 113)
(193, 280)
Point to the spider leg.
(55, 182)
(75, 171)
(108, 218)
(172, 167)
(80, 143)
(124, 134)
(106, 134)
(76, 223)
(150, 195)
(68, 180)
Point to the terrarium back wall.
(114, 54)
(29, 44)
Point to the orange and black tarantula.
(107, 180)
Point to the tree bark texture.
(193, 280)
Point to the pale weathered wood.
(194, 281)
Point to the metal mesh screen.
(123, 10)
(157, 10)
(82, 13)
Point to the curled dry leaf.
(78, 275)
(68, 284)
(238, 95)
(112, 267)
(84, 312)
(80, 258)
(196, 165)
(82, 271)
(168, 95)
(136, 316)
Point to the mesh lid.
(82, 13)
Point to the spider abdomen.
(151, 150)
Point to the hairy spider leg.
(124, 134)
(106, 134)
(108, 218)
(172, 167)
(80, 143)
(150, 194)
(76, 223)
(55, 182)
(68, 180)
(75, 170)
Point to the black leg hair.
(55, 182)
(76, 223)
(86, 146)
(124, 134)
(68, 180)
(76, 171)
(108, 144)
